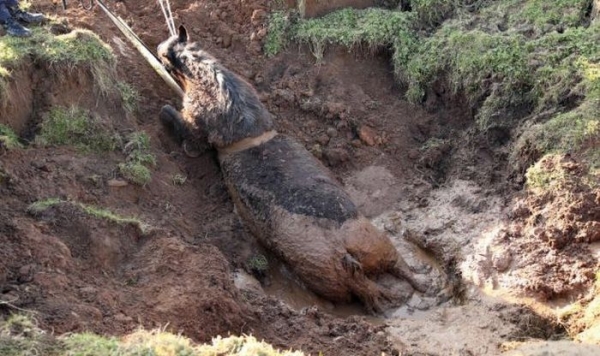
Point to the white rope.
(168, 17)
(171, 16)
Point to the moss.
(76, 127)
(8, 138)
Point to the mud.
(346, 111)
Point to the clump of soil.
(546, 250)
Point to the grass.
(179, 179)
(372, 28)
(43, 205)
(76, 127)
(79, 128)
(19, 335)
(277, 37)
(135, 168)
(92, 211)
(8, 138)
(129, 95)
(432, 12)
(258, 263)
(511, 60)
(80, 49)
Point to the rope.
(166, 10)
(171, 16)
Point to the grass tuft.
(93, 211)
(76, 127)
(8, 138)
(43, 205)
(20, 336)
(129, 95)
(139, 158)
(179, 179)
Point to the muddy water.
(283, 285)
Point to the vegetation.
(129, 95)
(512, 60)
(179, 179)
(79, 128)
(276, 40)
(79, 49)
(19, 336)
(95, 212)
(76, 127)
(8, 139)
(135, 169)
(258, 264)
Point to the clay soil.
(80, 273)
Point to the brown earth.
(82, 273)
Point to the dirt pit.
(195, 267)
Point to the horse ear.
(183, 36)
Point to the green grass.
(79, 49)
(93, 211)
(20, 336)
(512, 60)
(139, 158)
(278, 35)
(43, 205)
(372, 28)
(8, 138)
(76, 127)
(129, 95)
(258, 263)
(546, 173)
(369, 28)
(543, 15)
(431, 12)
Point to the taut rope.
(165, 6)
